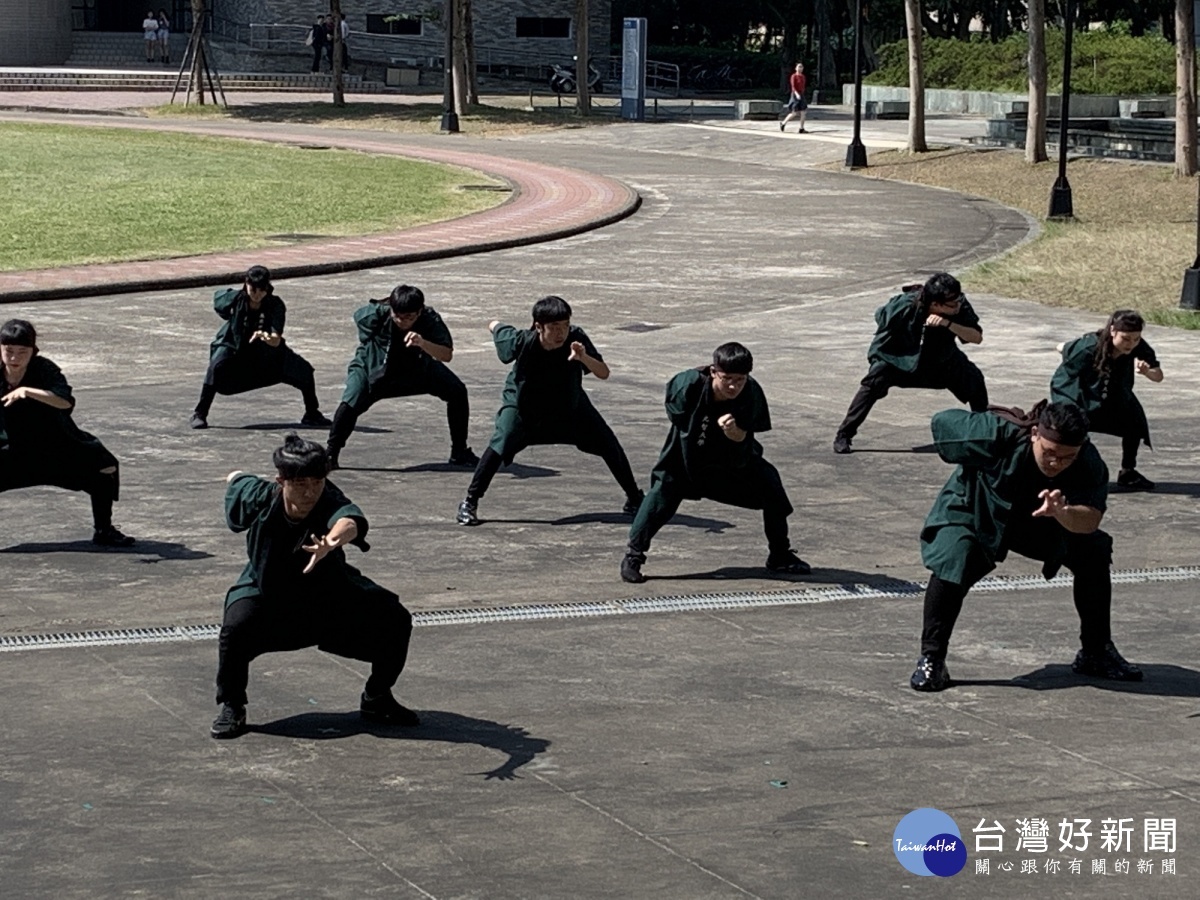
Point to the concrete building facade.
(35, 32)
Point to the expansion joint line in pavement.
(585, 609)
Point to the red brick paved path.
(548, 202)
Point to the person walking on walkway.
(297, 590)
(39, 440)
(796, 104)
(544, 402)
(1032, 485)
(711, 452)
(1097, 375)
(914, 346)
(249, 351)
(403, 349)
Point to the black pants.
(368, 625)
(957, 374)
(758, 486)
(1088, 557)
(101, 487)
(589, 433)
(257, 367)
(438, 381)
(1124, 427)
(317, 50)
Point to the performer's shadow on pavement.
(436, 725)
(1158, 680)
(616, 517)
(920, 448)
(1182, 488)
(516, 470)
(846, 578)
(153, 551)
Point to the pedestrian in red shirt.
(797, 104)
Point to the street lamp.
(1189, 297)
(449, 116)
(1060, 197)
(856, 153)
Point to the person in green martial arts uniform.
(249, 352)
(297, 590)
(403, 349)
(916, 345)
(1037, 488)
(544, 402)
(711, 452)
(1096, 375)
(40, 442)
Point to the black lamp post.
(856, 153)
(1189, 298)
(1061, 206)
(449, 116)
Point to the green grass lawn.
(79, 195)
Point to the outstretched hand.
(319, 548)
(1053, 503)
(18, 393)
(1141, 366)
(578, 351)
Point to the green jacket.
(381, 343)
(255, 505)
(34, 434)
(977, 502)
(233, 305)
(902, 340)
(696, 450)
(1102, 395)
(542, 384)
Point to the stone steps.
(164, 77)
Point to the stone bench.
(886, 109)
(758, 109)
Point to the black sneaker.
(631, 568)
(468, 513)
(781, 126)
(1133, 480)
(109, 536)
(314, 418)
(332, 455)
(198, 421)
(930, 675)
(633, 504)
(788, 563)
(1105, 663)
(230, 722)
(464, 457)
(386, 711)
(801, 130)
(841, 444)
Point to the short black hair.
(259, 277)
(405, 299)
(1066, 420)
(942, 288)
(18, 332)
(298, 458)
(733, 359)
(551, 309)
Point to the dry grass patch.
(1134, 233)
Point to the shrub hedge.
(1102, 62)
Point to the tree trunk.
(339, 94)
(582, 69)
(827, 77)
(1035, 134)
(468, 19)
(1185, 88)
(461, 79)
(916, 79)
(197, 76)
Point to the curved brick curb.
(548, 202)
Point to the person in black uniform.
(544, 401)
(39, 440)
(249, 351)
(711, 452)
(914, 346)
(403, 349)
(297, 589)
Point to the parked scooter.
(563, 79)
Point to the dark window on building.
(531, 27)
(377, 23)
